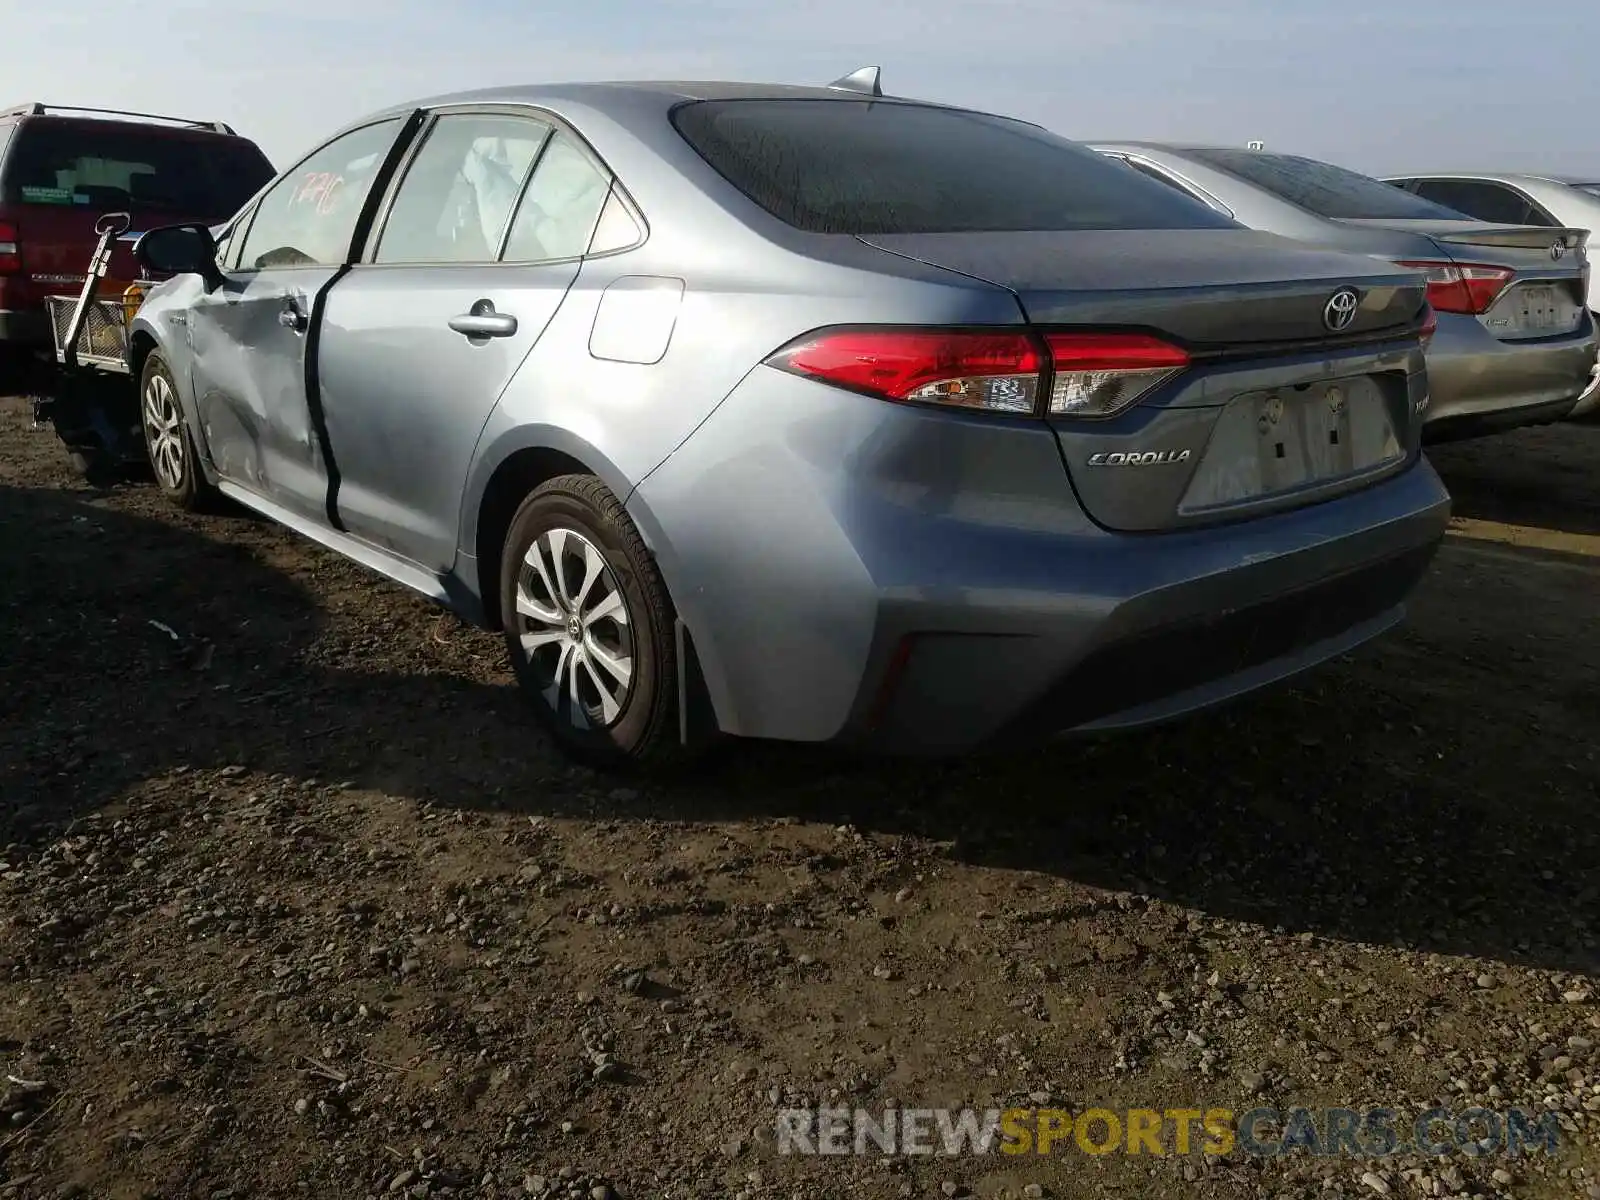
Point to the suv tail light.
(1015, 372)
(10, 249)
(1468, 288)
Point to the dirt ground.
(294, 899)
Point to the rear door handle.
(483, 322)
(290, 316)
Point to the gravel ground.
(294, 900)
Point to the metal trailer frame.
(92, 398)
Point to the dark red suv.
(62, 168)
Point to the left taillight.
(1071, 374)
(10, 249)
(1467, 288)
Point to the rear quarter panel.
(749, 285)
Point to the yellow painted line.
(1532, 536)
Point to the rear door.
(248, 336)
(480, 242)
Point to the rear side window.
(1324, 189)
(123, 165)
(866, 167)
(1478, 198)
(561, 207)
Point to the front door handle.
(290, 317)
(483, 322)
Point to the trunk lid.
(1207, 288)
(1547, 292)
(1274, 411)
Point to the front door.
(421, 339)
(249, 335)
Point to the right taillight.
(1069, 374)
(10, 249)
(1430, 326)
(1468, 288)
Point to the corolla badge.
(1138, 458)
(1340, 310)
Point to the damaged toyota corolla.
(804, 413)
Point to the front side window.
(1323, 188)
(874, 167)
(457, 195)
(558, 215)
(310, 214)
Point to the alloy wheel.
(574, 625)
(163, 431)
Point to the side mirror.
(180, 250)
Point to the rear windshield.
(106, 167)
(1324, 189)
(859, 167)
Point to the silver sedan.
(1516, 344)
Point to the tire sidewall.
(187, 490)
(545, 510)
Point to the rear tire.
(167, 442)
(589, 627)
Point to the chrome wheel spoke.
(612, 608)
(530, 607)
(558, 564)
(542, 638)
(535, 559)
(609, 708)
(552, 692)
(593, 567)
(618, 666)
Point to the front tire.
(167, 441)
(589, 627)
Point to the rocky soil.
(295, 901)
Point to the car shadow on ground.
(1541, 478)
(1374, 802)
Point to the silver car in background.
(1552, 201)
(803, 413)
(1516, 343)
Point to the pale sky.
(1377, 85)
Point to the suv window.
(308, 217)
(1481, 199)
(1323, 188)
(458, 193)
(107, 165)
(558, 214)
(871, 167)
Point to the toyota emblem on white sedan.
(1340, 310)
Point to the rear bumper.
(25, 327)
(1184, 632)
(1478, 383)
(927, 583)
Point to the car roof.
(603, 95)
(1502, 176)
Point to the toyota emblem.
(1340, 310)
(1557, 250)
